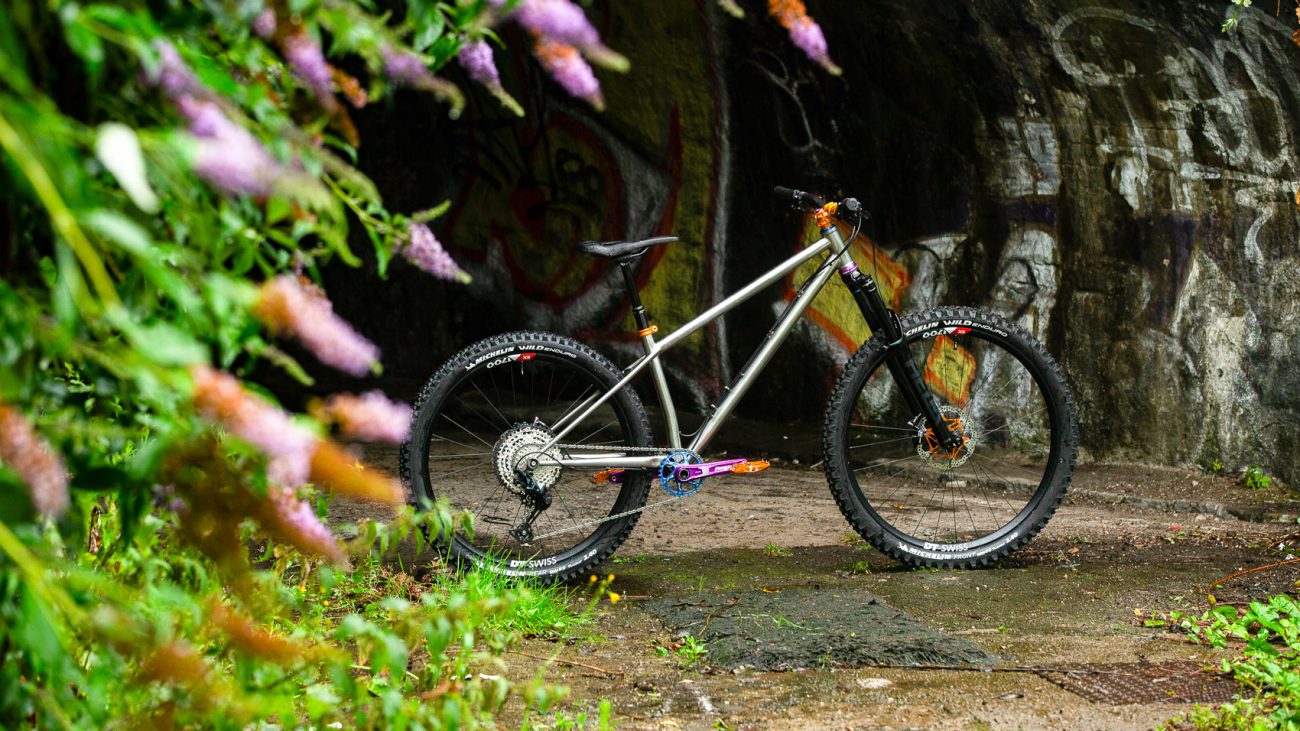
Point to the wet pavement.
(805, 627)
(752, 605)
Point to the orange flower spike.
(332, 467)
(176, 663)
(35, 462)
(251, 640)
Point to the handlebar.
(849, 207)
(798, 198)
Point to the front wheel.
(479, 441)
(964, 507)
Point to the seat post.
(638, 311)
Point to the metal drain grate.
(1121, 684)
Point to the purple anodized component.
(692, 472)
(847, 270)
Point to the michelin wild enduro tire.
(485, 413)
(967, 507)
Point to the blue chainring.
(668, 471)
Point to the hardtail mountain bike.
(949, 438)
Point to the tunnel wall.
(1118, 177)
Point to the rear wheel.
(965, 507)
(481, 424)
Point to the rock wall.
(1116, 176)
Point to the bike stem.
(884, 322)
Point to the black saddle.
(623, 249)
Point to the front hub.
(942, 458)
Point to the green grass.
(538, 610)
(772, 550)
(1268, 668)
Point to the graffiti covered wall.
(649, 165)
(1118, 177)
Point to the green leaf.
(81, 39)
(277, 209)
(165, 344)
(120, 229)
(118, 149)
(36, 633)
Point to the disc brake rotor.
(934, 454)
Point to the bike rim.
(464, 442)
(975, 497)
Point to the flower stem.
(64, 222)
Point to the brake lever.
(854, 207)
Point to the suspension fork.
(884, 322)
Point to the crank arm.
(692, 472)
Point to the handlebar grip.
(788, 195)
(798, 198)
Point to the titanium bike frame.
(878, 316)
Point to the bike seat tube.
(646, 331)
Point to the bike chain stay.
(615, 516)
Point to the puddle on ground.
(809, 628)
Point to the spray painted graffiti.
(835, 311)
(1218, 117)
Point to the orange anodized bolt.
(648, 331)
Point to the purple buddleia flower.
(562, 22)
(298, 524)
(264, 24)
(309, 65)
(569, 69)
(425, 251)
(405, 68)
(219, 397)
(804, 31)
(173, 76)
(476, 58)
(229, 156)
(559, 21)
(370, 417)
(39, 467)
(288, 307)
(808, 36)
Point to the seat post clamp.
(647, 331)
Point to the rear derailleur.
(536, 498)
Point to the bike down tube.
(704, 318)
(759, 360)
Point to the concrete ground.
(765, 571)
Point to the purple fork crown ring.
(846, 271)
(692, 472)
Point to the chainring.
(668, 472)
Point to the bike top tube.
(831, 241)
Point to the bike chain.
(615, 516)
